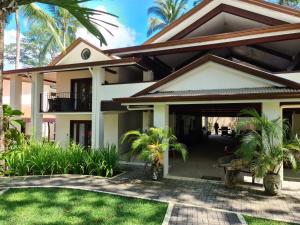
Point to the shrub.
(47, 158)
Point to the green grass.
(55, 206)
(257, 221)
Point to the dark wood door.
(81, 132)
(81, 92)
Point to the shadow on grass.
(56, 206)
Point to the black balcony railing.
(66, 102)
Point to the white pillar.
(161, 120)
(111, 128)
(146, 120)
(98, 75)
(37, 86)
(16, 92)
(273, 111)
(148, 75)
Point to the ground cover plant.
(47, 158)
(258, 221)
(66, 206)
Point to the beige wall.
(63, 79)
(63, 126)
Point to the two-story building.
(220, 57)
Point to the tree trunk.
(2, 21)
(18, 40)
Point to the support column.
(16, 92)
(148, 75)
(146, 120)
(161, 120)
(273, 111)
(111, 127)
(98, 75)
(37, 87)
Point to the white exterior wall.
(63, 79)
(214, 76)
(75, 55)
(63, 126)
(111, 128)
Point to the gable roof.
(212, 58)
(75, 43)
(245, 37)
(266, 5)
(214, 95)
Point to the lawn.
(55, 206)
(258, 221)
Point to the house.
(220, 57)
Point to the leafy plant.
(263, 145)
(11, 124)
(152, 144)
(47, 158)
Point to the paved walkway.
(208, 195)
(200, 216)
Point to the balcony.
(65, 102)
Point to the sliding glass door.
(81, 132)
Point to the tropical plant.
(164, 12)
(86, 16)
(151, 145)
(47, 158)
(11, 126)
(264, 149)
(290, 3)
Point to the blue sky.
(132, 14)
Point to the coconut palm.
(291, 3)
(164, 12)
(263, 148)
(151, 145)
(84, 15)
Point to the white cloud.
(123, 36)
(10, 36)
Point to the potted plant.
(262, 146)
(151, 145)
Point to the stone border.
(63, 175)
(242, 219)
(3, 191)
(168, 214)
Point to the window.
(85, 54)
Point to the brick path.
(195, 215)
(208, 195)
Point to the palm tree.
(164, 12)
(151, 145)
(84, 15)
(263, 148)
(291, 3)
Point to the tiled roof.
(237, 91)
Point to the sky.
(132, 22)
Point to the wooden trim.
(224, 62)
(131, 60)
(75, 43)
(108, 106)
(215, 37)
(289, 103)
(231, 10)
(208, 98)
(204, 3)
(275, 7)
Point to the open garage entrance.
(209, 131)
